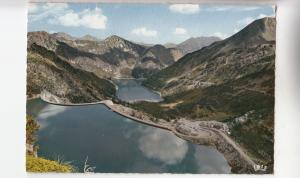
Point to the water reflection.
(131, 90)
(116, 144)
(204, 155)
(48, 112)
(51, 110)
(162, 145)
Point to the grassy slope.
(225, 102)
(157, 81)
(34, 164)
(232, 98)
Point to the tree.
(31, 128)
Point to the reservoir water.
(115, 144)
(131, 90)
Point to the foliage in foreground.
(31, 128)
(34, 164)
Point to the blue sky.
(147, 23)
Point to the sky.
(146, 23)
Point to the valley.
(201, 80)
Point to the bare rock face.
(89, 38)
(41, 38)
(63, 36)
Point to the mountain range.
(112, 57)
(250, 50)
(203, 78)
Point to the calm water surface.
(116, 144)
(131, 90)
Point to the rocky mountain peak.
(41, 38)
(267, 28)
(259, 31)
(89, 38)
(115, 41)
(63, 36)
(170, 45)
(195, 43)
(114, 38)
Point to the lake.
(115, 144)
(131, 90)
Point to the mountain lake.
(114, 144)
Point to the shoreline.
(217, 139)
(33, 97)
(238, 160)
(136, 101)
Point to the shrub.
(31, 128)
(34, 164)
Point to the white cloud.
(62, 14)
(49, 10)
(39, 8)
(69, 19)
(162, 145)
(248, 20)
(210, 161)
(185, 8)
(236, 30)
(233, 8)
(143, 31)
(262, 16)
(180, 31)
(251, 8)
(48, 112)
(87, 18)
(220, 35)
(55, 6)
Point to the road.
(236, 147)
